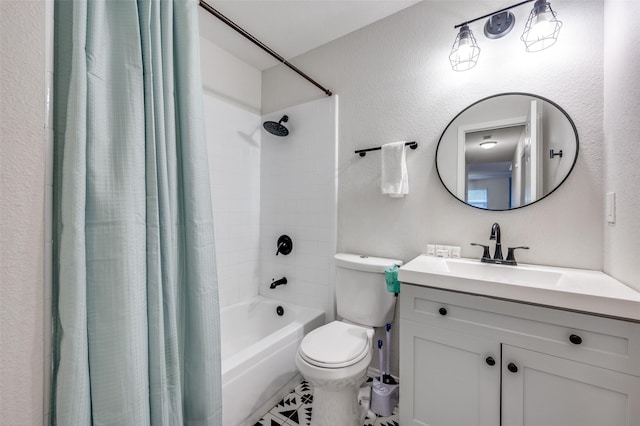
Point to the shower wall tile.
(233, 144)
(298, 198)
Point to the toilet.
(334, 358)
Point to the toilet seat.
(335, 345)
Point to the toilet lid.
(335, 345)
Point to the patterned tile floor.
(295, 409)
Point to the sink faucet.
(276, 283)
(497, 256)
(495, 235)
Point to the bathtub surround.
(233, 146)
(232, 119)
(298, 198)
(135, 294)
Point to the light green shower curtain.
(136, 320)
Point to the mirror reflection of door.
(503, 162)
(535, 148)
(491, 159)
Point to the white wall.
(231, 110)
(23, 237)
(298, 198)
(395, 83)
(622, 138)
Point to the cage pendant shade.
(465, 51)
(542, 28)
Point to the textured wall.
(395, 83)
(622, 138)
(229, 78)
(22, 204)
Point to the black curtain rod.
(363, 152)
(260, 44)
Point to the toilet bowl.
(334, 358)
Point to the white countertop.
(575, 289)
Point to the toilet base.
(331, 408)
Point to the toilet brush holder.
(384, 398)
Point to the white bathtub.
(258, 352)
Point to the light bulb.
(465, 51)
(541, 30)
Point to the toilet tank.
(361, 289)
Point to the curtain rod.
(260, 44)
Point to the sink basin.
(565, 288)
(523, 275)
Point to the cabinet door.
(540, 389)
(445, 378)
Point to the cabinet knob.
(489, 360)
(512, 367)
(575, 339)
(442, 311)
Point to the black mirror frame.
(575, 159)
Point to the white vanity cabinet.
(468, 360)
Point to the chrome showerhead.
(277, 129)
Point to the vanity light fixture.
(541, 31)
(465, 51)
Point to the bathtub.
(258, 352)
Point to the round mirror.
(507, 151)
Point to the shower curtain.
(136, 317)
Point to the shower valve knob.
(285, 245)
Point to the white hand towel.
(395, 179)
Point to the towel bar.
(363, 152)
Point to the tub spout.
(276, 283)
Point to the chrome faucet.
(495, 235)
(276, 283)
(497, 256)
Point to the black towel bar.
(363, 152)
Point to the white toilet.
(334, 358)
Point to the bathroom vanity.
(491, 345)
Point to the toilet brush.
(384, 398)
(380, 361)
(386, 378)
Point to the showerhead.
(277, 129)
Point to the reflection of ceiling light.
(488, 143)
